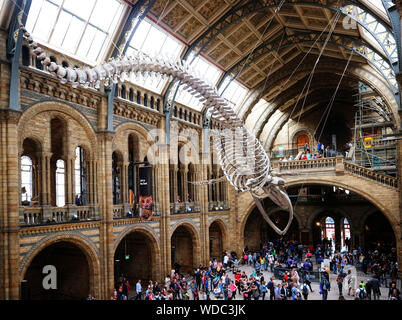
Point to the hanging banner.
(145, 195)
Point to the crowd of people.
(317, 152)
(292, 265)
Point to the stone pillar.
(124, 182)
(89, 181)
(235, 235)
(398, 235)
(69, 178)
(174, 176)
(9, 206)
(202, 192)
(163, 192)
(217, 185)
(184, 182)
(45, 178)
(106, 205)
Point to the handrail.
(336, 163)
(369, 174)
(33, 216)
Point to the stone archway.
(185, 248)
(300, 138)
(381, 196)
(256, 231)
(61, 110)
(377, 232)
(76, 264)
(217, 239)
(137, 256)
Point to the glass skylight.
(208, 72)
(154, 41)
(81, 28)
(235, 94)
(378, 4)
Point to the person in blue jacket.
(325, 286)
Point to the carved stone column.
(106, 211)
(45, 178)
(9, 205)
(163, 197)
(202, 194)
(124, 180)
(69, 178)
(184, 183)
(89, 181)
(174, 176)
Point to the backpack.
(305, 290)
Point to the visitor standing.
(138, 289)
(325, 287)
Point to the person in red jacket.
(237, 280)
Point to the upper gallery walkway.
(380, 189)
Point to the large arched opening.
(217, 240)
(334, 216)
(72, 269)
(258, 232)
(136, 258)
(378, 233)
(184, 249)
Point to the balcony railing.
(369, 174)
(304, 164)
(185, 207)
(332, 198)
(218, 205)
(125, 211)
(33, 216)
(338, 164)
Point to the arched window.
(345, 233)
(60, 184)
(26, 178)
(329, 228)
(346, 226)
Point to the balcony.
(185, 207)
(36, 216)
(218, 206)
(125, 211)
(318, 199)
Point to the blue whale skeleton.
(245, 170)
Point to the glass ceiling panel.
(235, 94)
(382, 36)
(80, 28)
(154, 41)
(208, 72)
(378, 4)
